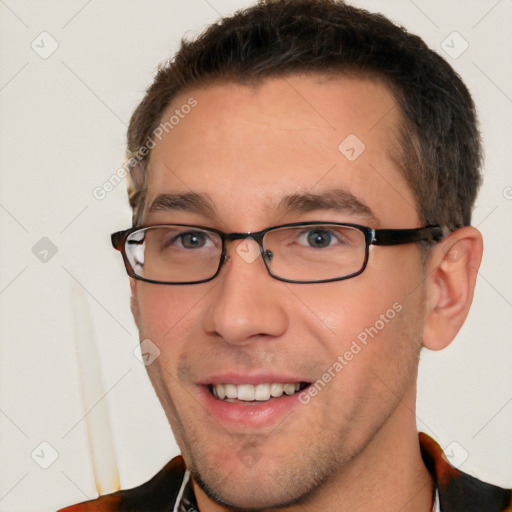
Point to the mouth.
(242, 402)
(255, 393)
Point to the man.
(302, 180)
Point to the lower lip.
(243, 415)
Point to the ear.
(134, 301)
(451, 272)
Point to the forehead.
(248, 147)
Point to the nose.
(247, 303)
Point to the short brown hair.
(440, 148)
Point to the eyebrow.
(338, 200)
(189, 202)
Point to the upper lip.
(254, 378)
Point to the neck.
(388, 475)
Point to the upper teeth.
(259, 392)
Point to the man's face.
(247, 150)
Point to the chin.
(260, 483)
(252, 491)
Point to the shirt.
(170, 490)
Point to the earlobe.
(451, 272)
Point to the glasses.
(302, 252)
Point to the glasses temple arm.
(400, 236)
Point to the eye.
(319, 238)
(192, 239)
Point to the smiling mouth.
(236, 393)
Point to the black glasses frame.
(431, 234)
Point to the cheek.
(168, 312)
(341, 311)
(374, 305)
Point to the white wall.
(63, 121)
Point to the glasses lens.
(174, 254)
(314, 252)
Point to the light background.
(63, 121)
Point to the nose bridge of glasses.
(251, 246)
(257, 236)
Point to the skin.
(354, 446)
